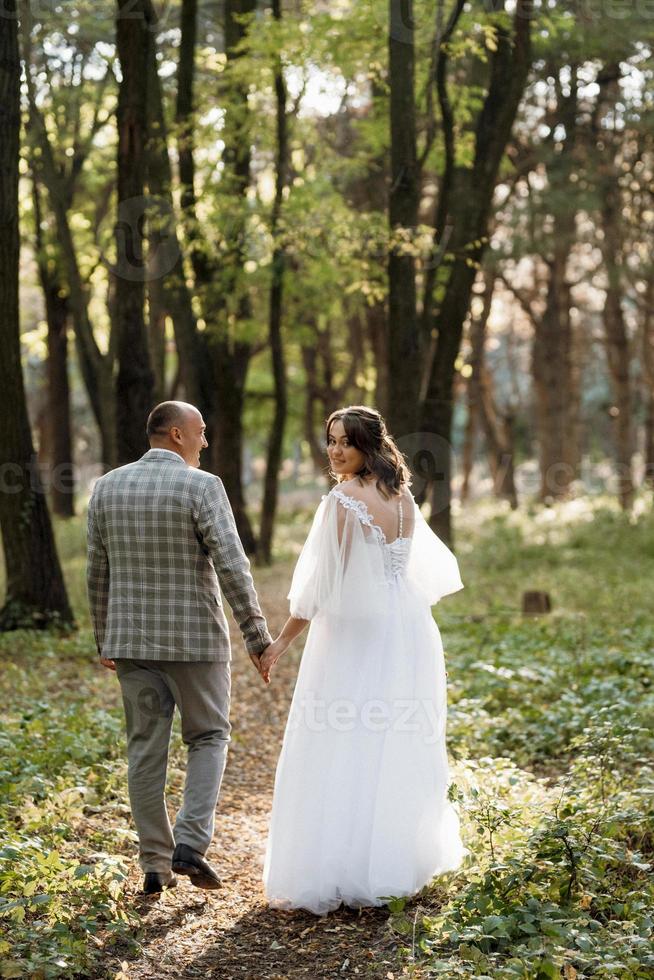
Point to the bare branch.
(437, 78)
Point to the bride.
(360, 810)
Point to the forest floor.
(551, 759)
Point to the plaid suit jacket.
(161, 537)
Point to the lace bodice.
(359, 546)
(396, 552)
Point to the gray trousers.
(150, 691)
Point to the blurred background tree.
(35, 591)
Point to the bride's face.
(345, 459)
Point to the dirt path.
(231, 934)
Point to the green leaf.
(547, 970)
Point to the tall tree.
(230, 350)
(36, 594)
(608, 142)
(467, 210)
(483, 409)
(169, 283)
(553, 360)
(403, 344)
(224, 350)
(135, 379)
(276, 438)
(57, 314)
(648, 378)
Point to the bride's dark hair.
(366, 431)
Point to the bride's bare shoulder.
(348, 487)
(356, 488)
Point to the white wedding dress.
(360, 809)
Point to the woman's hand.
(270, 656)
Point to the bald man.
(162, 544)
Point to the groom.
(161, 538)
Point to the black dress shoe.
(155, 881)
(186, 861)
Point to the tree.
(135, 379)
(57, 313)
(276, 439)
(648, 373)
(483, 409)
(403, 347)
(553, 363)
(618, 352)
(224, 352)
(36, 594)
(168, 290)
(465, 209)
(423, 350)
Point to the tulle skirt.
(360, 810)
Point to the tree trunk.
(226, 423)
(135, 380)
(469, 439)
(172, 294)
(618, 352)
(36, 594)
(156, 320)
(497, 433)
(555, 363)
(552, 374)
(313, 397)
(221, 359)
(377, 327)
(229, 355)
(59, 434)
(403, 341)
(649, 440)
(276, 439)
(648, 378)
(62, 487)
(471, 198)
(575, 421)
(185, 121)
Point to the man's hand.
(256, 660)
(109, 664)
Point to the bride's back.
(393, 515)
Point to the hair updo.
(366, 431)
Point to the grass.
(549, 735)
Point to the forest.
(272, 210)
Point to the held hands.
(270, 656)
(265, 661)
